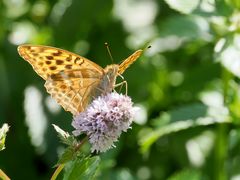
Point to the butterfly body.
(72, 80)
(109, 78)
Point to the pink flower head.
(104, 120)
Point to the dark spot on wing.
(69, 58)
(63, 86)
(57, 53)
(35, 54)
(59, 62)
(53, 67)
(48, 62)
(77, 59)
(49, 57)
(53, 76)
(40, 63)
(71, 74)
(68, 66)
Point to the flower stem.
(61, 166)
(57, 171)
(221, 146)
(79, 145)
(221, 152)
(3, 175)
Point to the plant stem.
(79, 145)
(57, 171)
(3, 175)
(221, 152)
(221, 134)
(61, 166)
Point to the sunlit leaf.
(82, 168)
(186, 6)
(68, 155)
(186, 174)
(230, 56)
(182, 119)
(65, 137)
(186, 27)
(234, 3)
(3, 133)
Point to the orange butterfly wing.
(128, 61)
(70, 78)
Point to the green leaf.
(181, 119)
(186, 6)
(82, 168)
(3, 133)
(230, 55)
(186, 27)
(118, 174)
(234, 3)
(186, 174)
(64, 136)
(68, 155)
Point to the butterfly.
(73, 80)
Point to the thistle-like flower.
(104, 120)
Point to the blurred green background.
(186, 86)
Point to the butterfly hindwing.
(73, 94)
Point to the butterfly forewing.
(70, 79)
(128, 61)
(49, 60)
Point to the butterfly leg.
(124, 82)
(121, 85)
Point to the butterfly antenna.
(146, 48)
(109, 52)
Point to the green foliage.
(72, 151)
(186, 174)
(82, 168)
(64, 136)
(191, 116)
(183, 6)
(3, 133)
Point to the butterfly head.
(111, 70)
